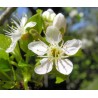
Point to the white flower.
(59, 21)
(49, 15)
(54, 54)
(16, 33)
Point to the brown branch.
(6, 14)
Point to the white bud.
(59, 21)
(49, 15)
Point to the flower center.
(55, 52)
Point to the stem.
(26, 85)
(6, 14)
(46, 80)
(13, 63)
(17, 53)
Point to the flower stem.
(17, 53)
(26, 85)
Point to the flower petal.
(72, 46)
(64, 66)
(45, 67)
(23, 20)
(53, 35)
(59, 21)
(38, 47)
(12, 46)
(15, 36)
(49, 14)
(30, 24)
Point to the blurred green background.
(82, 23)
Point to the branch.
(6, 14)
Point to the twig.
(46, 80)
(6, 14)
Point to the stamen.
(62, 44)
(64, 56)
(15, 23)
(17, 18)
(46, 56)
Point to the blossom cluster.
(56, 51)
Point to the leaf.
(4, 42)
(38, 19)
(59, 77)
(24, 42)
(8, 85)
(4, 65)
(79, 53)
(4, 55)
(59, 80)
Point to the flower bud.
(34, 34)
(60, 22)
(49, 15)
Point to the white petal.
(12, 47)
(59, 21)
(45, 67)
(71, 47)
(15, 36)
(45, 15)
(30, 24)
(49, 14)
(38, 47)
(52, 16)
(23, 20)
(64, 66)
(53, 35)
(50, 11)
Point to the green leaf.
(4, 55)
(4, 65)
(59, 77)
(24, 45)
(4, 42)
(38, 19)
(59, 80)
(79, 53)
(24, 42)
(8, 85)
